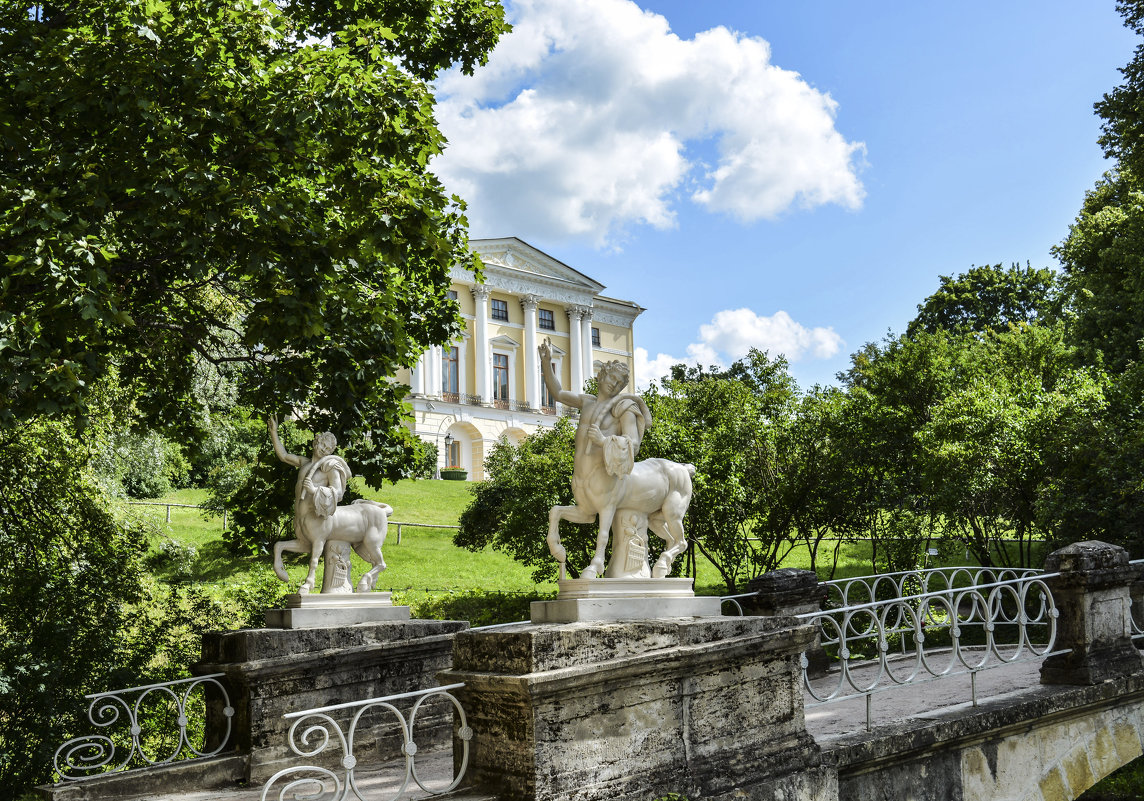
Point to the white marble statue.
(608, 482)
(318, 518)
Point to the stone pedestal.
(270, 672)
(790, 591)
(335, 609)
(710, 708)
(614, 599)
(1092, 594)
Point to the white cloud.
(733, 332)
(580, 123)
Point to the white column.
(434, 376)
(481, 355)
(586, 338)
(577, 354)
(417, 376)
(531, 359)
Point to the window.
(500, 377)
(595, 337)
(500, 309)
(450, 372)
(453, 454)
(547, 322)
(452, 294)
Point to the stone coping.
(992, 718)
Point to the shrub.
(454, 474)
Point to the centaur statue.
(608, 482)
(318, 519)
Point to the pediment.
(503, 342)
(512, 254)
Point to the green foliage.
(425, 465)
(479, 607)
(963, 434)
(140, 464)
(990, 298)
(1103, 258)
(728, 424)
(188, 182)
(510, 507)
(68, 580)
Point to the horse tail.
(690, 468)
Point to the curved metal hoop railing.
(318, 726)
(887, 586)
(94, 755)
(1015, 620)
(1135, 613)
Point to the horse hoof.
(589, 572)
(661, 569)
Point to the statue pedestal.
(335, 609)
(270, 672)
(614, 599)
(709, 708)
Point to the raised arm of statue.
(550, 379)
(289, 458)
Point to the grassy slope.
(426, 559)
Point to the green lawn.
(425, 561)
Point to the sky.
(789, 176)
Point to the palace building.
(486, 385)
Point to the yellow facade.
(486, 386)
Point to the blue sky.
(793, 176)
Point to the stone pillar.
(1092, 594)
(576, 348)
(709, 708)
(531, 358)
(790, 591)
(274, 671)
(586, 339)
(481, 354)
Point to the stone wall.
(271, 672)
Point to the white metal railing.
(322, 727)
(886, 586)
(1136, 616)
(94, 755)
(1016, 619)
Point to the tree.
(510, 507)
(728, 424)
(990, 298)
(243, 183)
(68, 577)
(1103, 258)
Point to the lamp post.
(448, 441)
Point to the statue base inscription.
(605, 599)
(337, 609)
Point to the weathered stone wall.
(1051, 745)
(707, 707)
(271, 672)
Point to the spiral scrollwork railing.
(131, 748)
(313, 730)
(908, 639)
